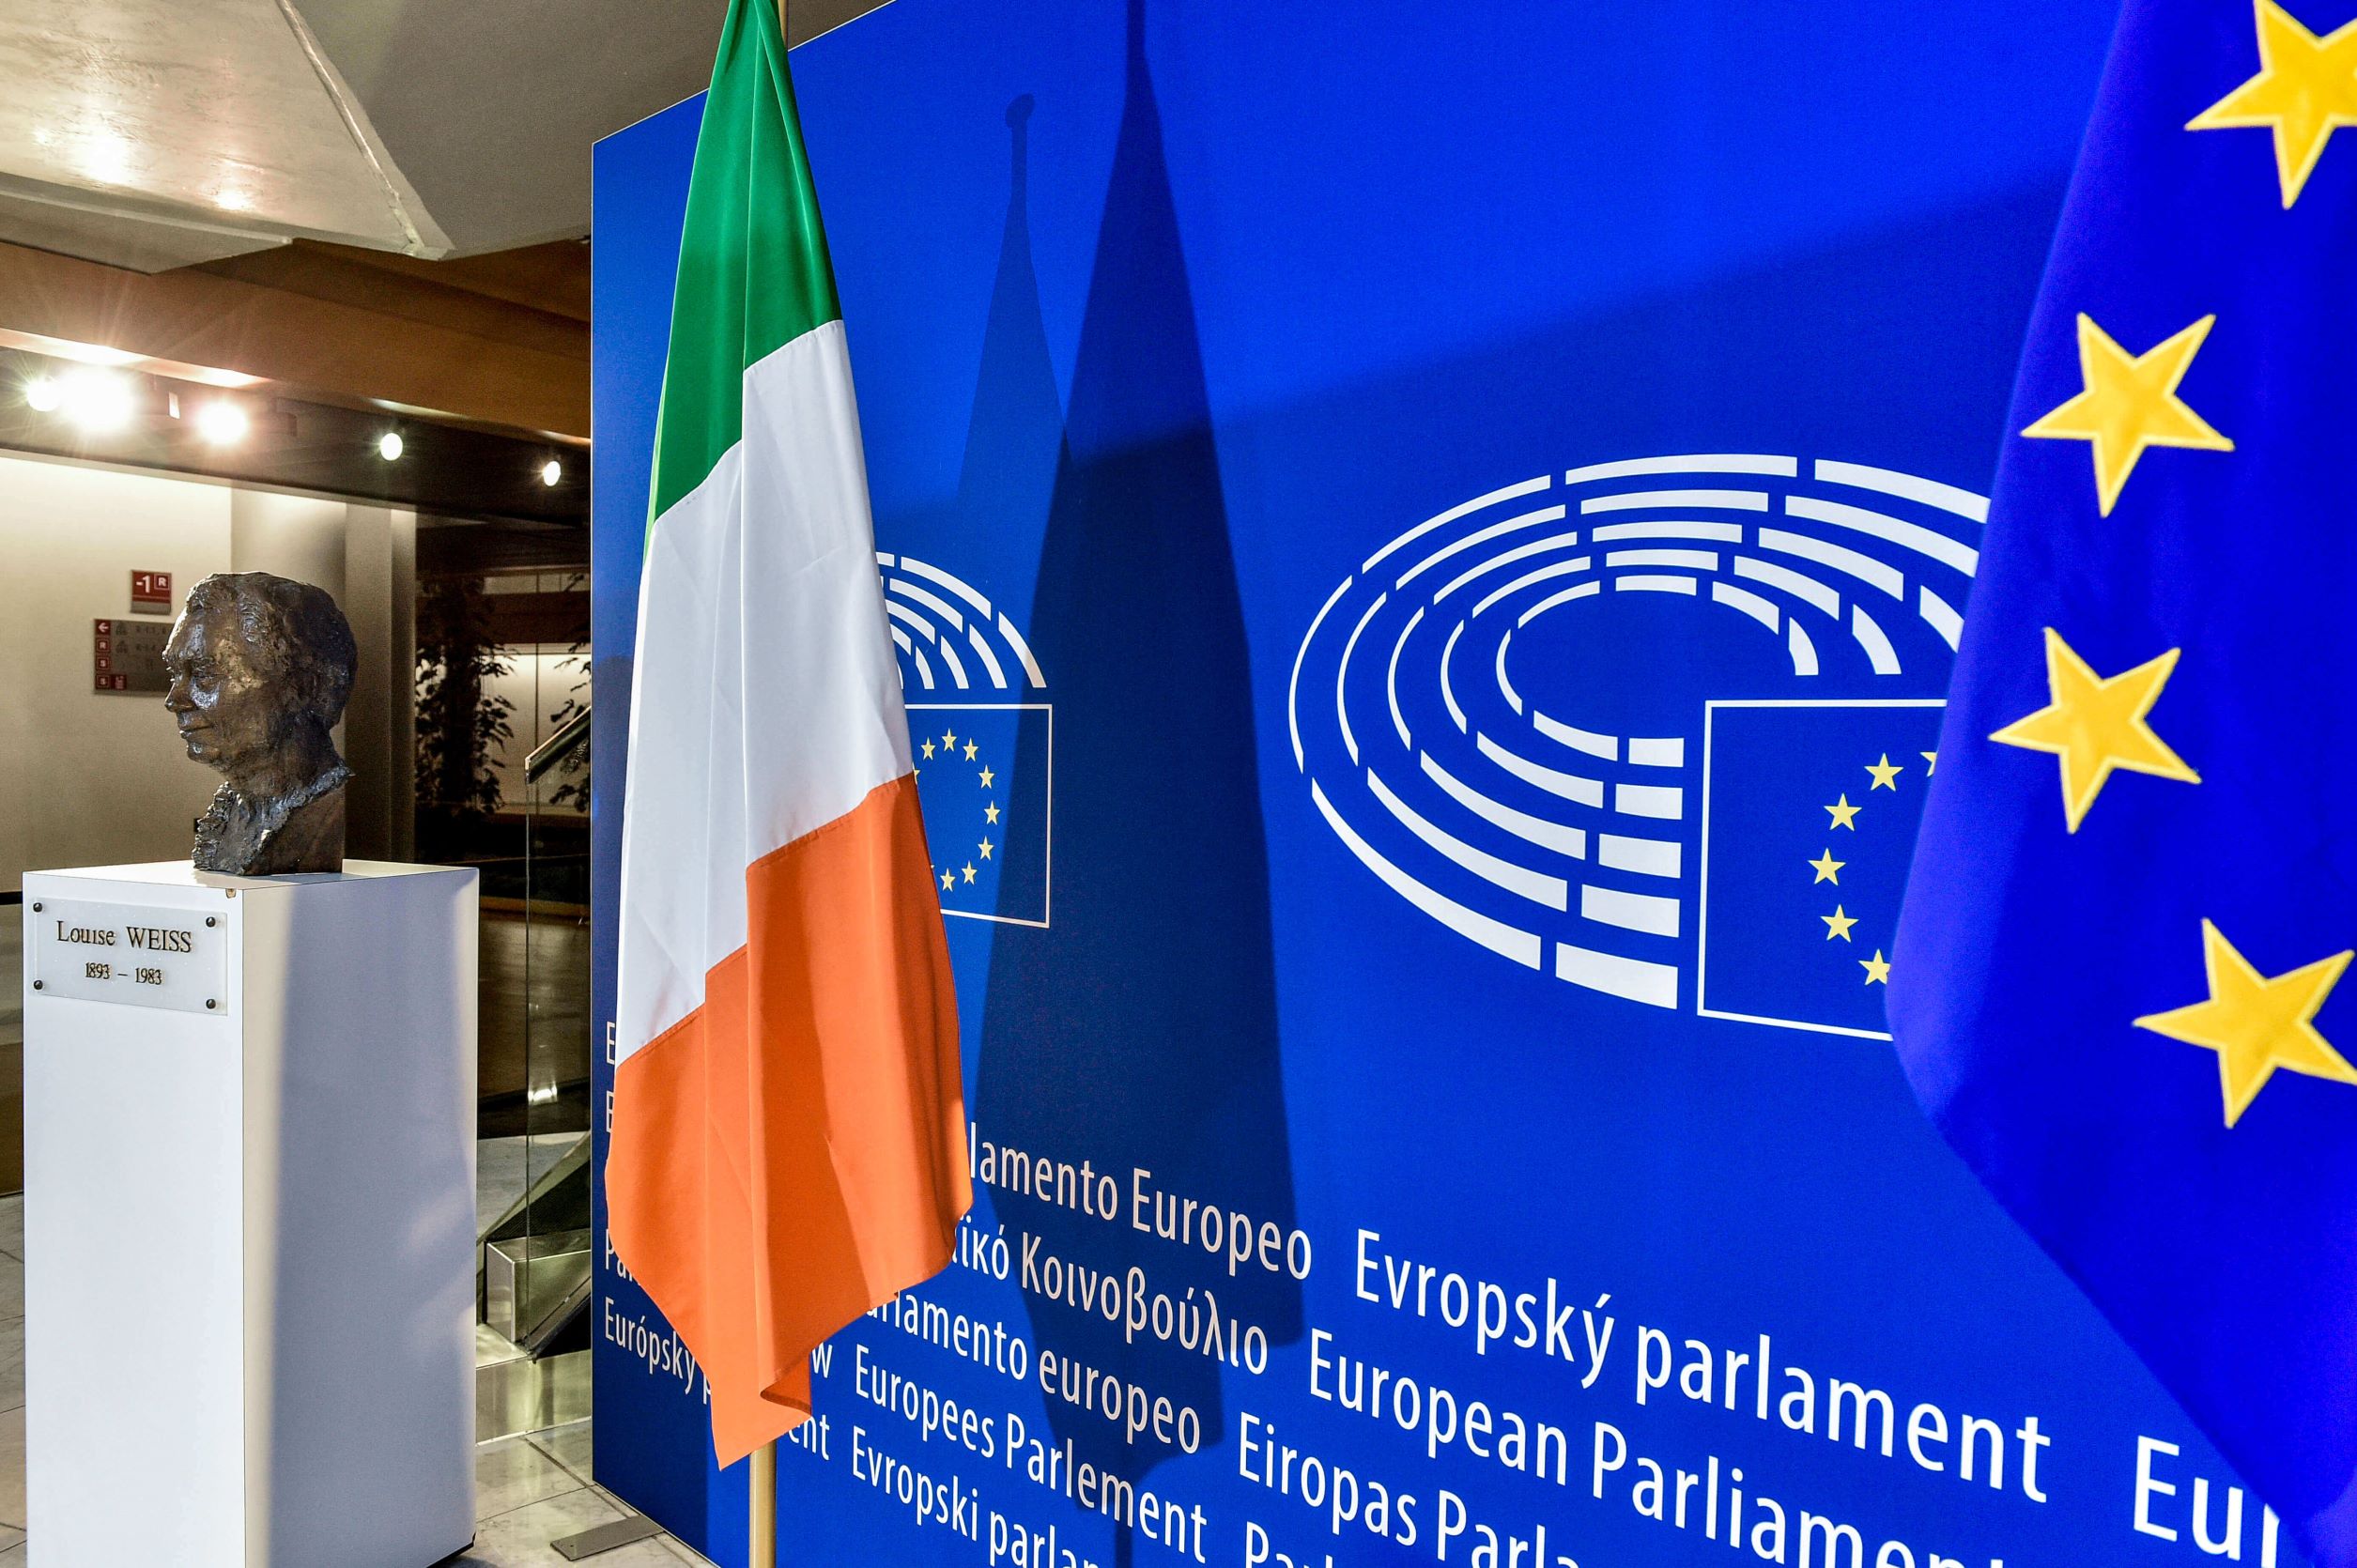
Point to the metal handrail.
(557, 747)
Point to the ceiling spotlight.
(222, 422)
(551, 471)
(389, 446)
(107, 158)
(231, 199)
(99, 401)
(42, 396)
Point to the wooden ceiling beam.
(331, 349)
(554, 277)
(321, 272)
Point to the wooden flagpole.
(762, 1528)
(761, 1549)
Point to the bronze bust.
(261, 667)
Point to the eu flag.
(983, 773)
(2118, 983)
(1810, 814)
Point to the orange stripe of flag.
(808, 1116)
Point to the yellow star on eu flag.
(1828, 869)
(1844, 813)
(1838, 924)
(2096, 724)
(1885, 775)
(2256, 1023)
(2306, 89)
(1877, 969)
(2129, 402)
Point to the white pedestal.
(249, 1162)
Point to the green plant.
(460, 722)
(575, 768)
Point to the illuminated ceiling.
(154, 133)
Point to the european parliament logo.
(1583, 721)
(984, 737)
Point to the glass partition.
(535, 1114)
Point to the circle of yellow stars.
(2256, 1023)
(1882, 773)
(2097, 725)
(2305, 91)
(948, 748)
(2128, 404)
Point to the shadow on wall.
(1141, 1029)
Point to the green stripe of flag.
(753, 270)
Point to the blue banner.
(1428, 551)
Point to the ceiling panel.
(34, 216)
(154, 133)
(491, 109)
(212, 107)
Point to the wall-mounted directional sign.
(127, 655)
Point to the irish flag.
(788, 1146)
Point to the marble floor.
(529, 1490)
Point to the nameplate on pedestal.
(137, 955)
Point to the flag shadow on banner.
(1140, 1032)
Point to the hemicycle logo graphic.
(984, 735)
(1560, 717)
